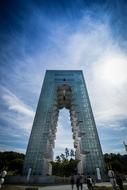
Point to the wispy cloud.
(116, 126)
(14, 103)
(16, 121)
(87, 44)
(11, 148)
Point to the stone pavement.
(61, 187)
(68, 187)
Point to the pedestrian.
(77, 181)
(89, 183)
(111, 175)
(119, 182)
(72, 180)
(81, 181)
(93, 181)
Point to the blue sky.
(37, 35)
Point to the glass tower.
(64, 88)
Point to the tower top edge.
(64, 71)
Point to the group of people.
(79, 180)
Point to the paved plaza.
(53, 187)
(68, 187)
(61, 187)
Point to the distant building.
(64, 89)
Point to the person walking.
(81, 181)
(72, 180)
(89, 183)
(111, 175)
(119, 182)
(77, 181)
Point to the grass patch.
(11, 187)
(15, 187)
(101, 188)
(107, 188)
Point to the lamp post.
(125, 145)
(108, 162)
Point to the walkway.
(68, 187)
(61, 187)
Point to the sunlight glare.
(114, 70)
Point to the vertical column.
(90, 144)
(42, 135)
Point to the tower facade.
(64, 89)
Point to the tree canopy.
(117, 162)
(64, 164)
(12, 162)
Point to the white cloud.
(104, 65)
(113, 125)
(17, 121)
(91, 48)
(15, 104)
(63, 134)
(114, 68)
(4, 147)
(109, 81)
(115, 150)
(18, 115)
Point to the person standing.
(81, 181)
(72, 180)
(77, 181)
(89, 183)
(111, 175)
(119, 182)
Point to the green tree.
(62, 156)
(63, 166)
(66, 153)
(12, 162)
(58, 159)
(116, 162)
(72, 153)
